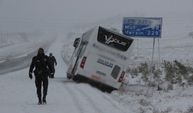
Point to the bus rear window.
(113, 40)
(115, 71)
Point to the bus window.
(113, 40)
(115, 71)
(76, 42)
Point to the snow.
(18, 92)
(175, 101)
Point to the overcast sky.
(58, 13)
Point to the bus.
(100, 56)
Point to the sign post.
(143, 27)
(153, 50)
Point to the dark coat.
(52, 60)
(42, 66)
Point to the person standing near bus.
(53, 62)
(42, 70)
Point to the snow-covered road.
(18, 93)
(18, 56)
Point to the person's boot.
(40, 101)
(44, 100)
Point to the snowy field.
(18, 93)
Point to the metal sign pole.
(153, 50)
(137, 48)
(159, 51)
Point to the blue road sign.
(142, 27)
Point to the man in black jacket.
(53, 62)
(42, 71)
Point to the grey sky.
(59, 13)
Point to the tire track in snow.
(112, 104)
(75, 99)
(90, 100)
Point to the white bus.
(100, 56)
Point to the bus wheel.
(69, 76)
(109, 90)
(76, 79)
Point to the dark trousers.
(53, 69)
(40, 81)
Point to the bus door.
(77, 54)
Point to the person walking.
(53, 63)
(41, 68)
